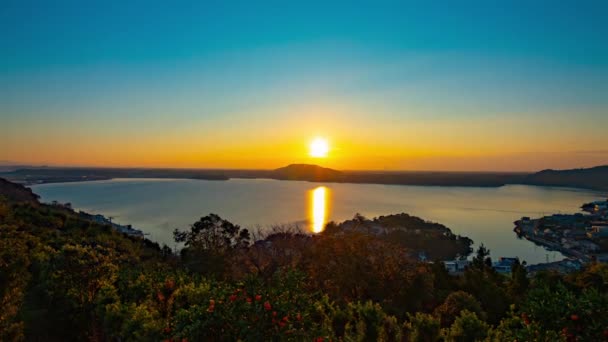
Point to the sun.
(319, 148)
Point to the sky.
(429, 85)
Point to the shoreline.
(313, 174)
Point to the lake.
(157, 206)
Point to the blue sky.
(216, 77)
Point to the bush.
(467, 327)
(422, 327)
(454, 304)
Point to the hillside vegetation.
(64, 278)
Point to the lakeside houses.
(596, 207)
(504, 265)
(458, 266)
(598, 230)
(567, 265)
(100, 219)
(125, 229)
(581, 237)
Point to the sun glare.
(319, 148)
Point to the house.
(597, 207)
(504, 264)
(587, 246)
(598, 231)
(456, 266)
(574, 233)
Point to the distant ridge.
(307, 172)
(595, 178)
(592, 178)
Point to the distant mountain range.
(593, 178)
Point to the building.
(456, 266)
(598, 231)
(504, 264)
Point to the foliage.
(454, 304)
(210, 243)
(64, 277)
(467, 327)
(422, 327)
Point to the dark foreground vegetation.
(63, 278)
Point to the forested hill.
(307, 172)
(16, 193)
(591, 178)
(65, 278)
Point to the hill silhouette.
(16, 192)
(591, 178)
(307, 172)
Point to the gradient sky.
(483, 85)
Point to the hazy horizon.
(392, 87)
(77, 166)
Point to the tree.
(422, 327)
(16, 254)
(210, 244)
(77, 274)
(454, 304)
(368, 322)
(482, 258)
(519, 280)
(468, 327)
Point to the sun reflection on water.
(319, 208)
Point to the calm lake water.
(157, 206)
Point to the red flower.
(267, 306)
(211, 305)
(574, 317)
(299, 317)
(232, 298)
(281, 324)
(249, 300)
(258, 298)
(274, 314)
(319, 339)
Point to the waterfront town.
(582, 237)
(101, 219)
